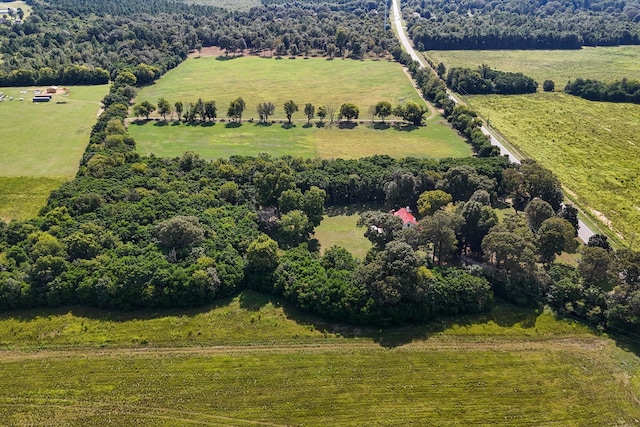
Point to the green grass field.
(256, 361)
(592, 147)
(22, 197)
(41, 145)
(601, 63)
(224, 140)
(317, 81)
(341, 230)
(46, 139)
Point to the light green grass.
(22, 197)
(255, 79)
(15, 5)
(341, 230)
(220, 140)
(592, 147)
(247, 361)
(600, 63)
(46, 139)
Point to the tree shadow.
(176, 123)
(225, 58)
(288, 126)
(307, 125)
(347, 125)
(381, 126)
(140, 122)
(233, 125)
(320, 124)
(161, 123)
(264, 124)
(405, 127)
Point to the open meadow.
(592, 147)
(255, 361)
(341, 230)
(41, 144)
(317, 81)
(557, 65)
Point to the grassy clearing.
(22, 197)
(225, 139)
(46, 139)
(341, 230)
(15, 5)
(256, 360)
(255, 79)
(556, 65)
(591, 146)
(318, 81)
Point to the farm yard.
(178, 368)
(322, 82)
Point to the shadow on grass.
(404, 127)
(320, 124)
(176, 123)
(307, 125)
(233, 125)
(161, 123)
(140, 122)
(264, 124)
(381, 126)
(226, 57)
(288, 126)
(201, 124)
(347, 125)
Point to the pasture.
(316, 81)
(253, 360)
(557, 65)
(592, 147)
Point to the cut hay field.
(592, 147)
(601, 63)
(317, 81)
(255, 361)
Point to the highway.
(584, 231)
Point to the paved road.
(584, 231)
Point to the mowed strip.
(23, 197)
(567, 382)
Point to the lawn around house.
(316, 81)
(591, 146)
(253, 359)
(341, 230)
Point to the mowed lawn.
(315, 81)
(600, 63)
(593, 147)
(246, 361)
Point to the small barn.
(408, 220)
(52, 89)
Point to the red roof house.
(405, 215)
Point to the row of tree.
(486, 80)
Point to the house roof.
(405, 216)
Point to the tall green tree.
(290, 107)
(349, 111)
(164, 108)
(383, 109)
(309, 111)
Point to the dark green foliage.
(484, 80)
(624, 90)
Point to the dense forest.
(520, 24)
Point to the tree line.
(624, 90)
(202, 111)
(485, 80)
